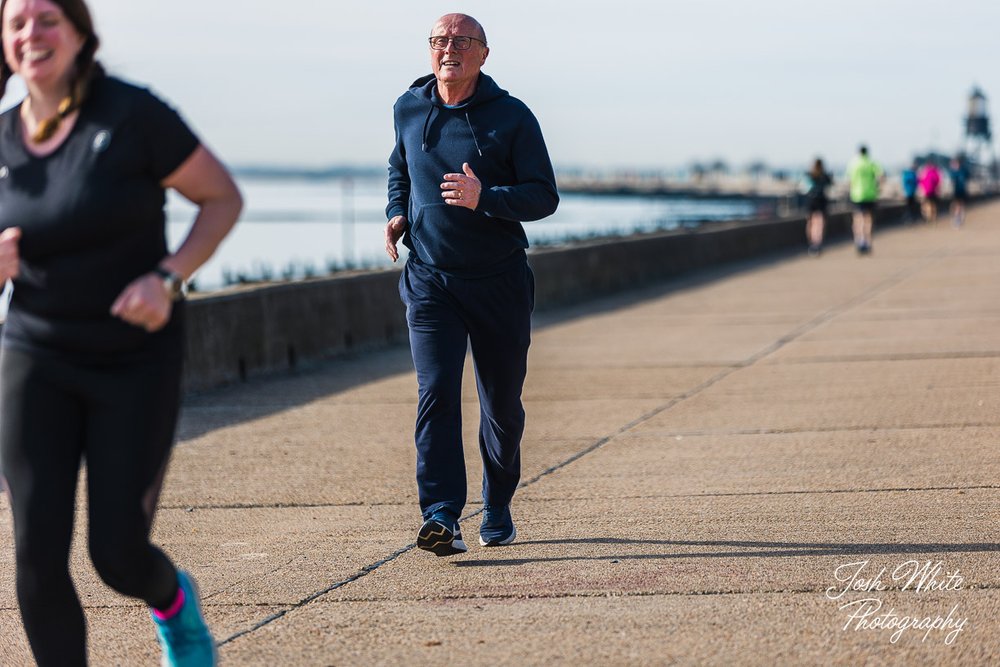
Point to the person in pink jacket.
(929, 180)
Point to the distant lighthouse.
(978, 147)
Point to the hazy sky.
(623, 83)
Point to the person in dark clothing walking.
(90, 358)
(817, 201)
(469, 166)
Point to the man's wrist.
(486, 200)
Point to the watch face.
(174, 285)
(172, 282)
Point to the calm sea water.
(296, 228)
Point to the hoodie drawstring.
(474, 139)
(427, 121)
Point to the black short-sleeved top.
(92, 220)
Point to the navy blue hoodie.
(501, 140)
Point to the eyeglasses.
(460, 43)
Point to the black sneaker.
(441, 536)
(497, 528)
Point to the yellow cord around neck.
(47, 128)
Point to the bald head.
(459, 24)
(457, 65)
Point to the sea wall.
(257, 330)
(236, 335)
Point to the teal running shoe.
(184, 637)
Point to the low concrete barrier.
(257, 330)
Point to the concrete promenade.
(707, 463)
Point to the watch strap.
(173, 281)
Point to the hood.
(487, 90)
(425, 89)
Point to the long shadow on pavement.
(766, 550)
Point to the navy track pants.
(444, 315)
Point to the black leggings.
(120, 418)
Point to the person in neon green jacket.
(865, 176)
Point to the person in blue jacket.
(469, 166)
(908, 179)
(959, 190)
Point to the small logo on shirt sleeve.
(101, 141)
(4, 172)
